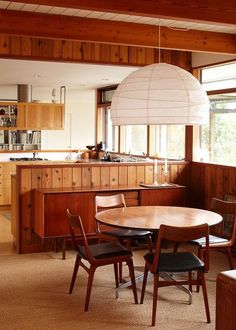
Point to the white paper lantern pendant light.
(161, 94)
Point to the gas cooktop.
(20, 159)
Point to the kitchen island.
(35, 182)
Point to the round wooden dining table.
(151, 217)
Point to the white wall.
(80, 117)
(201, 59)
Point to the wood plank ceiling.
(206, 26)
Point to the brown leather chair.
(224, 241)
(97, 255)
(176, 262)
(125, 236)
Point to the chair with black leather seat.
(176, 262)
(125, 236)
(228, 211)
(97, 255)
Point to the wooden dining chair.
(97, 255)
(176, 262)
(125, 236)
(225, 237)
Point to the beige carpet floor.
(34, 295)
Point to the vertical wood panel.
(57, 49)
(57, 177)
(76, 50)
(96, 176)
(67, 49)
(47, 177)
(106, 53)
(141, 55)
(15, 46)
(149, 174)
(86, 177)
(123, 175)
(4, 44)
(124, 55)
(26, 205)
(105, 176)
(36, 178)
(26, 46)
(76, 177)
(132, 175)
(232, 181)
(140, 174)
(67, 177)
(115, 54)
(114, 176)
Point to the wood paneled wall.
(208, 180)
(79, 176)
(87, 52)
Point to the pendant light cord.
(159, 36)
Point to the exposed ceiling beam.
(122, 33)
(210, 11)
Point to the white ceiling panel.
(11, 5)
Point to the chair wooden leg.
(176, 246)
(89, 287)
(230, 258)
(120, 272)
(145, 275)
(204, 291)
(149, 240)
(64, 249)
(132, 277)
(200, 254)
(154, 304)
(190, 279)
(116, 275)
(76, 267)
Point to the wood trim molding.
(32, 24)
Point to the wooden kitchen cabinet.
(33, 116)
(50, 219)
(173, 196)
(44, 116)
(6, 169)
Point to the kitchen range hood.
(24, 93)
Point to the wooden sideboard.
(50, 204)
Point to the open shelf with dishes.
(8, 115)
(20, 140)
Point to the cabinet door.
(53, 222)
(45, 116)
(20, 118)
(163, 196)
(5, 182)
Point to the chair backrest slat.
(103, 202)
(75, 224)
(228, 210)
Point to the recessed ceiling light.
(37, 76)
(105, 79)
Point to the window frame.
(101, 105)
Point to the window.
(137, 139)
(215, 143)
(167, 141)
(134, 139)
